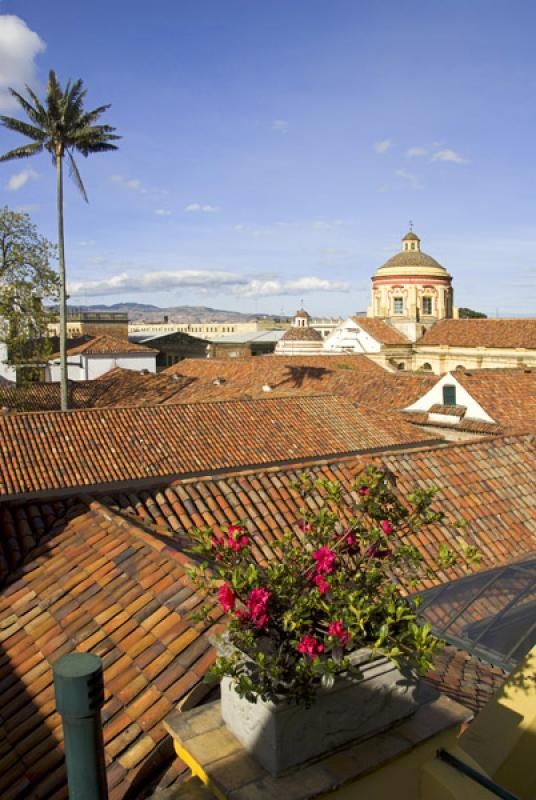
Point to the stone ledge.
(203, 742)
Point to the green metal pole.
(79, 691)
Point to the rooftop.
(495, 333)
(104, 345)
(45, 451)
(381, 330)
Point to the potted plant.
(323, 643)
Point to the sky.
(274, 151)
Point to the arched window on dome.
(401, 366)
(459, 366)
(426, 367)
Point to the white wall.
(435, 397)
(89, 367)
(6, 372)
(349, 337)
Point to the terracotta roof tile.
(103, 345)
(501, 333)
(380, 330)
(138, 695)
(58, 450)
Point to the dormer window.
(449, 395)
(398, 305)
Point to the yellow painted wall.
(399, 779)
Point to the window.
(398, 305)
(426, 367)
(449, 395)
(401, 366)
(413, 246)
(427, 305)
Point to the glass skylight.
(491, 614)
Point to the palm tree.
(62, 127)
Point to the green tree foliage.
(468, 313)
(62, 127)
(27, 282)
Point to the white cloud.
(327, 225)
(87, 242)
(411, 179)
(157, 281)
(416, 152)
(19, 46)
(383, 146)
(162, 212)
(204, 207)
(132, 184)
(280, 125)
(18, 180)
(276, 287)
(449, 155)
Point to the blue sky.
(275, 150)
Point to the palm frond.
(25, 151)
(37, 134)
(75, 175)
(98, 147)
(34, 113)
(92, 116)
(38, 106)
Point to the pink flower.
(257, 603)
(336, 629)
(306, 527)
(350, 538)
(310, 646)
(227, 597)
(235, 538)
(325, 560)
(363, 491)
(243, 616)
(216, 542)
(386, 527)
(321, 584)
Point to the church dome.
(301, 335)
(411, 260)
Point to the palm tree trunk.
(63, 294)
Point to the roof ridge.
(195, 404)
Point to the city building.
(93, 323)
(412, 290)
(301, 339)
(100, 354)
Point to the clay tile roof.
(507, 395)
(486, 482)
(503, 333)
(449, 411)
(102, 584)
(47, 451)
(381, 330)
(101, 345)
(465, 678)
(46, 396)
(296, 334)
(110, 579)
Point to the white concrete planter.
(282, 736)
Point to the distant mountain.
(144, 312)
